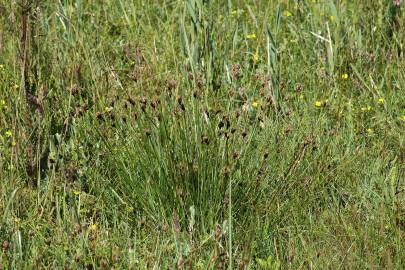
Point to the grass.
(202, 134)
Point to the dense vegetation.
(200, 134)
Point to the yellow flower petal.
(251, 36)
(256, 57)
(287, 13)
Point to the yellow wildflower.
(345, 76)
(302, 97)
(255, 104)
(2, 102)
(287, 13)
(76, 192)
(8, 133)
(108, 109)
(251, 36)
(1, 67)
(331, 18)
(318, 103)
(13, 143)
(380, 101)
(403, 117)
(370, 131)
(236, 12)
(256, 57)
(93, 227)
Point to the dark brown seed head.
(226, 170)
(134, 116)
(259, 76)
(237, 113)
(235, 155)
(200, 82)
(307, 141)
(282, 85)
(171, 84)
(154, 104)
(35, 102)
(236, 71)
(181, 104)
(103, 263)
(299, 88)
(93, 236)
(141, 222)
(176, 223)
(218, 232)
(130, 101)
(205, 139)
(78, 227)
(143, 101)
(6, 245)
(179, 192)
(231, 93)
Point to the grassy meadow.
(202, 134)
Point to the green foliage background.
(202, 134)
